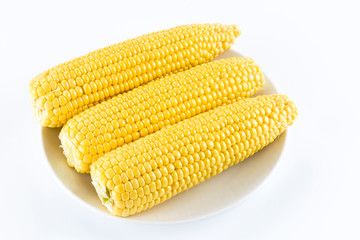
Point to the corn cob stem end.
(104, 195)
(68, 149)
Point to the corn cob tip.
(291, 108)
(237, 31)
(286, 105)
(231, 28)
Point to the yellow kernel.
(124, 177)
(110, 184)
(128, 187)
(152, 187)
(177, 164)
(130, 173)
(135, 183)
(203, 146)
(125, 196)
(147, 178)
(147, 166)
(177, 154)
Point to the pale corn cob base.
(144, 173)
(156, 105)
(69, 88)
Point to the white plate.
(211, 197)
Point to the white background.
(309, 49)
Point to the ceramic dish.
(206, 199)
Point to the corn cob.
(69, 88)
(144, 173)
(148, 108)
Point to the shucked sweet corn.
(69, 88)
(146, 109)
(144, 173)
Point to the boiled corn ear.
(69, 88)
(144, 173)
(146, 109)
